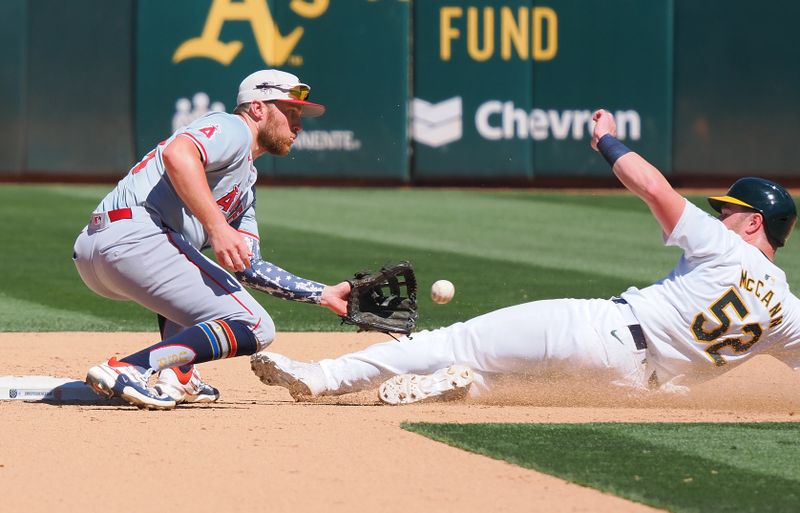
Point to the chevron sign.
(436, 124)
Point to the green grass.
(679, 467)
(499, 248)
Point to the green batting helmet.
(769, 199)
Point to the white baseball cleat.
(185, 387)
(449, 384)
(115, 378)
(303, 380)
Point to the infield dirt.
(257, 450)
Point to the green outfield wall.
(354, 54)
(13, 39)
(67, 105)
(737, 88)
(506, 89)
(417, 92)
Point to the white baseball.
(442, 291)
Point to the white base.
(46, 388)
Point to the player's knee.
(260, 325)
(250, 337)
(264, 332)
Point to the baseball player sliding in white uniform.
(196, 190)
(724, 302)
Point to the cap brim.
(717, 201)
(307, 109)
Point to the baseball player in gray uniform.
(195, 190)
(723, 303)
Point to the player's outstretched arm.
(275, 281)
(636, 174)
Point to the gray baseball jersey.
(143, 243)
(223, 142)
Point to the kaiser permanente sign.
(442, 123)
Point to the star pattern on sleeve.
(280, 283)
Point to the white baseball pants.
(139, 260)
(572, 335)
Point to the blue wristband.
(611, 149)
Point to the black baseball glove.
(377, 301)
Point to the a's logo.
(275, 48)
(436, 124)
(12, 393)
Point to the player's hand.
(334, 297)
(230, 248)
(603, 124)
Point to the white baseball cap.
(275, 85)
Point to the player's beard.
(271, 138)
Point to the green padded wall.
(353, 53)
(506, 89)
(79, 76)
(13, 39)
(737, 87)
